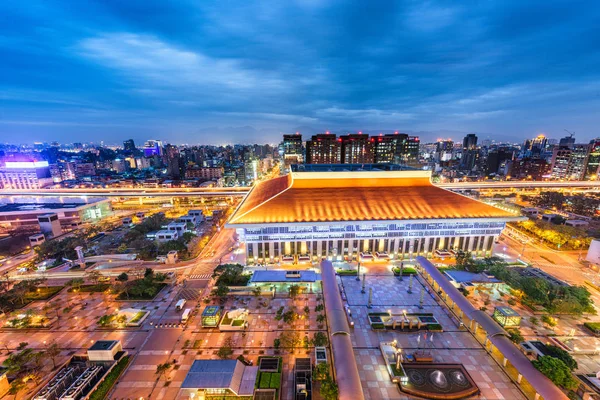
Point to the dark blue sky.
(200, 71)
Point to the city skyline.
(217, 74)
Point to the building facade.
(356, 149)
(25, 175)
(309, 216)
(323, 149)
(570, 162)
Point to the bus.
(186, 315)
(180, 304)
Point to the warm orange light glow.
(356, 198)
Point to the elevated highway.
(243, 190)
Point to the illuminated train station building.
(370, 215)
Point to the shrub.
(593, 326)
(265, 380)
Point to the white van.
(186, 315)
(180, 304)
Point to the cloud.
(148, 59)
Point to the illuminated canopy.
(356, 196)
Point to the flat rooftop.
(357, 196)
(26, 207)
(284, 276)
(103, 345)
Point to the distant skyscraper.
(567, 142)
(323, 149)
(292, 149)
(389, 148)
(469, 152)
(153, 148)
(25, 175)
(593, 164)
(129, 145)
(444, 150)
(570, 163)
(356, 149)
(535, 147)
(470, 142)
(410, 150)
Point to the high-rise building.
(470, 154)
(535, 147)
(529, 168)
(323, 149)
(129, 146)
(292, 149)
(153, 148)
(570, 163)
(593, 163)
(410, 150)
(567, 142)
(356, 149)
(389, 148)
(470, 142)
(25, 175)
(444, 150)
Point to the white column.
(396, 243)
(426, 246)
(271, 250)
(471, 242)
(411, 248)
(319, 248)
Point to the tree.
(515, 336)
(93, 276)
(221, 291)
(548, 320)
(16, 387)
(290, 339)
(76, 283)
(557, 371)
(562, 355)
(321, 371)
(290, 316)
(319, 339)
(123, 277)
(226, 351)
(162, 369)
(256, 291)
(329, 389)
(321, 318)
(294, 291)
(52, 351)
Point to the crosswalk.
(189, 294)
(200, 276)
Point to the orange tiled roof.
(354, 197)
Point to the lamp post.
(410, 284)
(358, 272)
(369, 304)
(401, 269)
(363, 283)
(421, 299)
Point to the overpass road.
(243, 190)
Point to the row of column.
(401, 248)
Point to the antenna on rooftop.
(570, 133)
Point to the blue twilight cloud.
(213, 72)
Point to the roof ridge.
(290, 177)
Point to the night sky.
(213, 72)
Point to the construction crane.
(570, 133)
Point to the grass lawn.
(43, 293)
(349, 272)
(138, 316)
(102, 391)
(156, 288)
(101, 287)
(405, 271)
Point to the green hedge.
(434, 327)
(102, 390)
(405, 271)
(346, 272)
(378, 325)
(593, 326)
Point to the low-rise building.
(230, 378)
(165, 235)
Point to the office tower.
(356, 149)
(129, 146)
(323, 149)
(25, 175)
